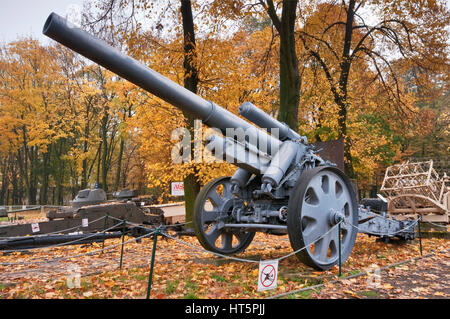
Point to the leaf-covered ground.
(184, 272)
(423, 278)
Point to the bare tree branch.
(322, 41)
(270, 8)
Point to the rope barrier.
(79, 255)
(90, 236)
(75, 227)
(129, 223)
(248, 260)
(67, 229)
(207, 251)
(295, 252)
(387, 234)
(60, 244)
(177, 224)
(201, 249)
(192, 246)
(441, 226)
(161, 226)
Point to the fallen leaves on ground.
(183, 272)
(422, 278)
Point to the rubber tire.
(294, 216)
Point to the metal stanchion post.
(339, 244)
(123, 239)
(420, 236)
(152, 263)
(104, 228)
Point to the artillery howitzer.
(280, 186)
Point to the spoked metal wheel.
(321, 197)
(213, 208)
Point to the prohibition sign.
(268, 275)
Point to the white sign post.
(268, 273)
(35, 227)
(177, 189)
(84, 222)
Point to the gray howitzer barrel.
(280, 163)
(266, 122)
(288, 151)
(212, 115)
(243, 155)
(250, 159)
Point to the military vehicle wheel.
(321, 197)
(213, 208)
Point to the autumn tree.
(396, 33)
(30, 95)
(290, 80)
(191, 184)
(56, 116)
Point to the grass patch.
(190, 295)
(123, 279)
(171, 286)
(306, 294)
(302, 279)
(191, 289)
(219, 278)
(352, 272)
(236, 277)
(369, 293)
(85, 285)
(191, 285)
(140, 277)
(115, 289)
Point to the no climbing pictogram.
(268, 272)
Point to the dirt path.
(427, 278)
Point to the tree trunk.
(32, 190)
(84, 174)
(290, 80)
(343, 84)
(43, 195)
(5, 181)
(191, 185)
(119, 164)
(121, 149)
(16, 193)
(104, 133)
(60, 174)
(85, 148)
(23, 164)
(289, 72)
(99, 160)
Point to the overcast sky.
(27, 17)
(19, 18)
